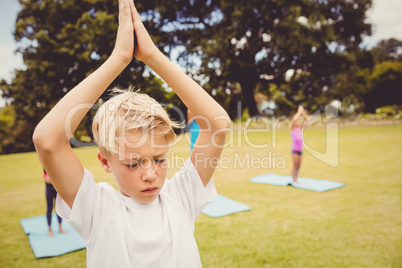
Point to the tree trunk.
(247, 87)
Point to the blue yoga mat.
(45, 246)
(304, 183)
(221, 206)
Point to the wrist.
(120, 60)
(154, 58)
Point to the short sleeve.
(186, 185)
(90, 208)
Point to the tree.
(61, 43)
(7, 121)
(234, 48)
(386, 78)
(252, 44)
(372, 79)
(388, 50)
(351, 88)
(386, 86)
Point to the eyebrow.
(130, 159)
(161, 154)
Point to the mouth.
(150, 190)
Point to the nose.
(149, 171)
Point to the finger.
(132, 8)
(136, 16)
(127, 10)
(121, 5)
(122, 11)
(137, 22)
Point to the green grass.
(359, 225)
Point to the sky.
(384, 16)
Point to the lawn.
(359, 225)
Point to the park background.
(265, 57)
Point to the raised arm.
(51, 136)
(189, 116)
(296, 117)
(212, 118)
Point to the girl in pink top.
(297, 141)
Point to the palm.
(144, 47)
(124, 46)
(130, 22)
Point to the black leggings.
(50, 196)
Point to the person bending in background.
(193, 128)
(50, 197)
(297, 142)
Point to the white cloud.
(9, 61)
(385, 16)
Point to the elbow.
(39, 139)
(222, 126)
(44, 141)
(223, 122)
(36, 136)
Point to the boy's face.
(141, 166)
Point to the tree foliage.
(388, 50)
(373, 78)
(61, 43)
(295, 52)
(7, 121)
(252, 44)
(386, 86)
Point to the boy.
(149, 222)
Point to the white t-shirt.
(121, 232)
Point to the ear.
(104, 163)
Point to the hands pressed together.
(132, 37)
(300, 109)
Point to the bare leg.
(51, 234)
(300, 160)
(296, 167)
(61, 229)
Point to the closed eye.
(137, 164)
(160, 160)
(133, 165)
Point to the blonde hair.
(129, 111)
